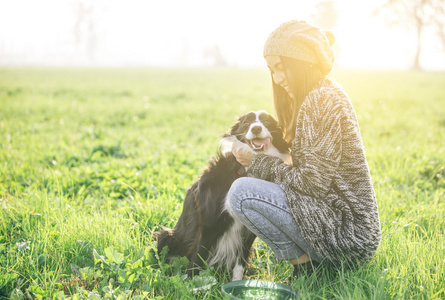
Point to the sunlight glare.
(178, 33)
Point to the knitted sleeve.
(316, 150)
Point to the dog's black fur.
(205, 218)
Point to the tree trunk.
(416, 65)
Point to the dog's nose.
(256, 129)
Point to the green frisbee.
(255, 289)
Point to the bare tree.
(417, 15)
(326, 14)
(214, 54)
(85, 29)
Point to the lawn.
(93, 160)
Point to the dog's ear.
(240, 125)
(229, 137)
(281, 143)
(235, 128)
(277, 132)
(278, 139)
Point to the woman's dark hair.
(301, 78)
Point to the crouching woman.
(322, 208)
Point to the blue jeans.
(261, 206)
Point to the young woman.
(323, 207)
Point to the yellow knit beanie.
(302, 41)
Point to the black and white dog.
(206, 233)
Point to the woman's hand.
(242, 156)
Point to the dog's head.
(260, 131)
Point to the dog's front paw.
(226, 144)
(242, 146)
(237, 273)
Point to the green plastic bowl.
(255, 289)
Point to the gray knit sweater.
(328, 187)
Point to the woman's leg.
(261, 206)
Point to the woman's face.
(278, 73)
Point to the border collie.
(206, 232)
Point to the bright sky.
(176, 32)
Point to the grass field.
(92, 161)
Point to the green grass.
(92, 161)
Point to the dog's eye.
(265, 119)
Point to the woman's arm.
(317, 159)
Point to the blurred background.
(378, 34)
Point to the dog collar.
(241, 170)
